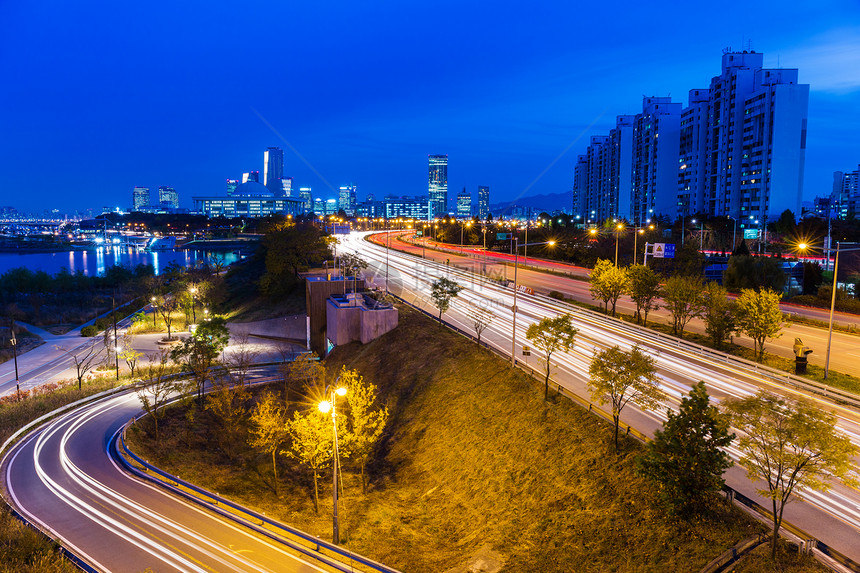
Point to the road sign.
(659, 250)
(527, 351)
(751, 233)
(670, 251)
(419, 233)
(503, 236)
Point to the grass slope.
(472, 457)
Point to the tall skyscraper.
(273, 170)
(845, 197)
(483, 202)
(140, 198)
(693, 153)
(347, 199)
(306, 195)
(251, 176)
(438, 184)
(231, 186)
(168, 197)
(464, 204)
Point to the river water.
(94, 261)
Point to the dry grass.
(472, 457)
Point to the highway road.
(845, 349)
(833, 517)
(62, 478)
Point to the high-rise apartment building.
(655, 160)
(140, 198)
(438, 184)
(483, 202)
(231, 186)
(347, 199)
(737, 149)
(845, 197)
(168, 197)
(464, 204)
(273, 169)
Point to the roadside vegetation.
(470, 456)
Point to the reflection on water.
(95, 261)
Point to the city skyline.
(515, 97)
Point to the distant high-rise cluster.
(844, 200)
(438, 184)
(464, 204)
(737, 149)
(346, 200)
(168, 200)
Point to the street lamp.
(833, 303)
(154, 313)
(14, 342)
(462, 227)
(618, 228)
(193, 291)
(325, 406)
(701, 231)
(514, 323)
(734, 231)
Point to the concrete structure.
(306, 195)
(464, 204)
(845, 197)
(483, 202)
(140, 198)
(251, 176)
(692, 153)
(286, 187)
(438, 184)
(273, 170)
(354, 316)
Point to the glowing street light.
(618, 228)
(325, 407)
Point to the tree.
(365, 423)
(759, 317)
(289, 248)
(619, 377)
(165, 306)
(753, 272)
(719, 314)
(241, 358)
(129, 354)
(312, 444)
(84, 359)
(352, 265)
(442, 291)
(227, 403)
(792, 446)
(608, 283)
(644, 288)
(481, 318)
(306, 369)
(551, 335)
(269, 428)
(201, 351)
(682, 296)
(157, 388)
(686, 457)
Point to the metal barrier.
(291, 537)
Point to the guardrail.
(314, 547)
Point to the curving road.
(833, 517)
(62, 478)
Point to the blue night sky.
(98, 97)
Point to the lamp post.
(193, 291)
(514, 309)
(618, 228)
(387, 248)
(802, 247)
(462, 228)
(325, 406)
(115, 337)
(154, 313)
(14, 342)
(734, 231)
(833, 303)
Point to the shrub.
(89, 330)
(556, 295)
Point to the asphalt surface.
(62, 478)
(845, 347)
(833, 517)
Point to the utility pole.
(14, 342)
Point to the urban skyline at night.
(364, 96)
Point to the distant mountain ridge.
(548, 202)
